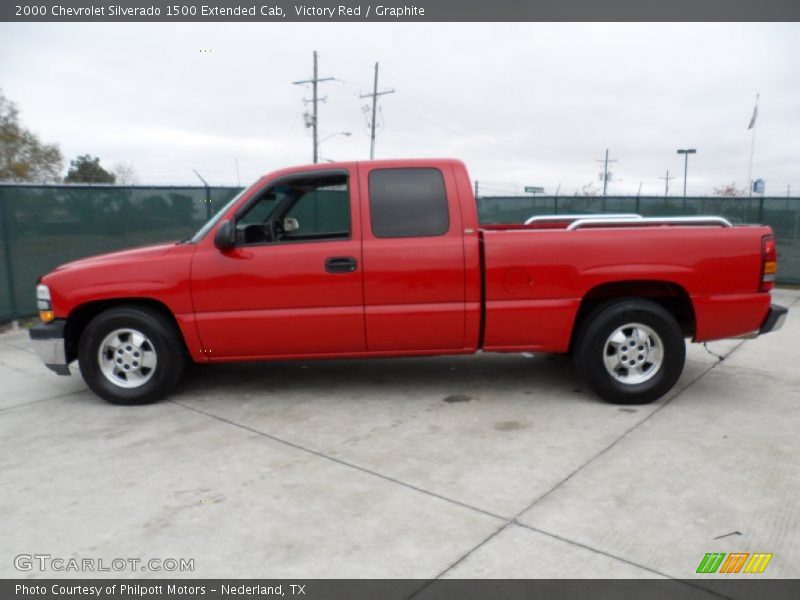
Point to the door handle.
(341, 264)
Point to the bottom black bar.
(734, 586)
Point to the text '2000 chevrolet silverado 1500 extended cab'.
(386, 258)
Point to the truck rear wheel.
(630, 351)
(131, 355)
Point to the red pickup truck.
(386, 258)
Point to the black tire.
(593, 347)
(162, 338)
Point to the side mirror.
(225, 238)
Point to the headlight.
(43, 303)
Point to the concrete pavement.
(486, 466)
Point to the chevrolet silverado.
(387, 258)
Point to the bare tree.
(728, 191)
(125, 173)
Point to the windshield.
(210, 224)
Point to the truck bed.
(538, 275)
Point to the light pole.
(209, 214)
(686, 152)
(327, 137)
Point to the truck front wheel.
(630, 351)
(131, 355)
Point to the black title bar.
(397, 11)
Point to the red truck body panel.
(415, 293)
(277, 300)
(536, 279)
(501, 288)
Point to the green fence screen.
(782, 214)
(44, 226)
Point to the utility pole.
(374, 95)
(209, 213)
(605, 171)
(476, 189)
(686, 152)
(314, 81)
(666, 182)
(752, 125)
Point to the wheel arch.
(82, 314)
(672, 296)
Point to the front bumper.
(776, 317)
(48, 341)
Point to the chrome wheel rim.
(633, 353)
(127, 358)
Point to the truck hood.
(122, 256)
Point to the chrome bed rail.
(540, 218)
(718, 221)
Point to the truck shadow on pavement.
(454, 379)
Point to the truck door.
(414, 289)
(292, 285)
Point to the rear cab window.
(408, 202)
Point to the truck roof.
(389, 163)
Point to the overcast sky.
(521, 104)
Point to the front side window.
(408, 203)
(306, 208)
(325, 211)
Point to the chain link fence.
(782, 214)
(42, 227)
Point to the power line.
(347, 62)
(314, 121)
(449, 113)
(481, 140)
(374, 95)
(461, 120)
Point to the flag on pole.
(755, 115)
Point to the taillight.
(769, 263)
